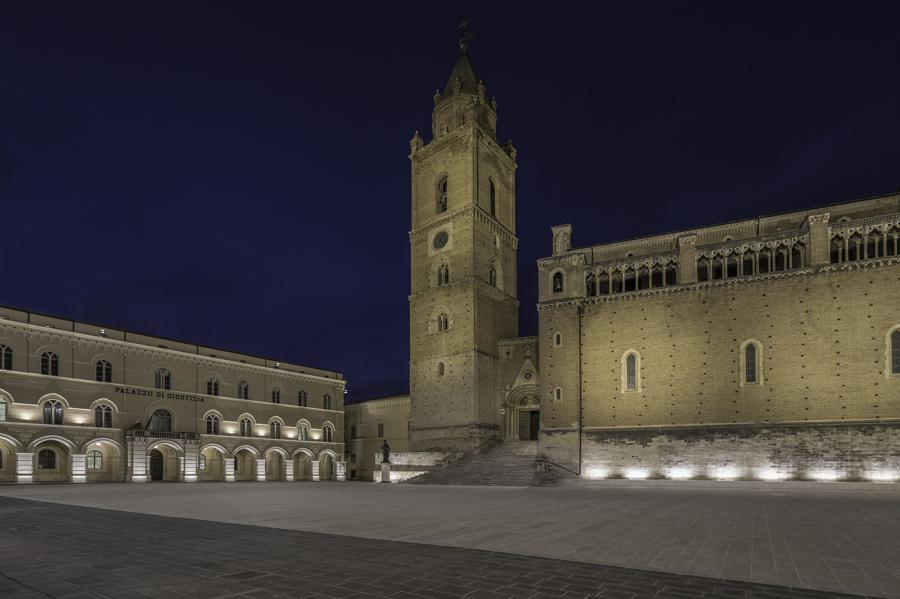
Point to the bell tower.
(463, 267)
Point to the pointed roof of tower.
(463, 71)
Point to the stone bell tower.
(463, 267)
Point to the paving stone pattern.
(61, 551)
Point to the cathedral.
(761, 349)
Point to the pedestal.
(385, 472)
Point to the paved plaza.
(341, 540)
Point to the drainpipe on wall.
(580, 389)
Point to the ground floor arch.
(276, 465)
(302, 462)
(327, 465)
(103, 460)
(212, 464)
(164, 462)
(246, 464)
(51, 461)
(8, 457)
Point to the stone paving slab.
(835, 539)
(60, 551)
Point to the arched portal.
(163, 464)
(274, 465)
(52, 461)
(326, 466)
(7, 460)
(302, 468)
(211, 466)
(523, 412)
(244, 465)
(103, 460)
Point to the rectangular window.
(353, 431)
(380, 429)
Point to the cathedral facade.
(767, 348)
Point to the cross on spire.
(465, 36)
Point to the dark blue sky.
(236, 174)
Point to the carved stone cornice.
(575, 257)
(572, 302)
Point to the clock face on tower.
(440, 240)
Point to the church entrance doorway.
(157, 464)
(534, 421)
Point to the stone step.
(510, 464)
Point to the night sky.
(236, 174)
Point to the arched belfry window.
(103, 371)
(50, 363)
(162, 378)
(558, 282)
(443, 323)
(751, 363)
(895, 352)
(443, 275)
(493, 197)
(442, 195)
(631, 371)
(6, 357)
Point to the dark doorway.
(534, 422)
(156, 465)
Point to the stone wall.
(846, 451)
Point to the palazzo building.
(766, 348)
(83, 403)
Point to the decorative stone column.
(24, 467)
(314, 467)
(78, 468)
(261, 470)
(287, 470)
(819, 249)
(340, 469)
(687, 259)
(229, 470)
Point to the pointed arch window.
(161, 421)
(443, 323)
(103, 371)
(590, 285)
(557, 394)
(631, 372)
(212, 386)
(103, 417)
(443, 275)
(212, 425)
(442, 195)
(6, 357)
(276, 395)
(94, 460)
(275, 429)
(493, 197)
(243, 390)
(50, 363)
(328, 433)
(303, 431)
(326, 401)
(557, 340)
(440, 369)
(53, 412)
(895, 352)
(302, 398)
(751, 363)
(558, 284)
(246, 427)
(162, 378)
(46, 459)
(703, 269)
(492, 275)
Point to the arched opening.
(748, 263)
(656, 276)
(630, 278)
(102, 462)
(718, 267)
(527, 418)
(326, 467)
(837, 250)
(855, 249)
(52, 461)
(211, 464)
(604, 283)
(274, 465)
(765, 260)
(558, 283)
(731, 265)
(874, 245)
(302, 469)
(163, 463)
(643, 281)
(244, 465)
(7, 461)
(703, 269)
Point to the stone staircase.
(510, 464)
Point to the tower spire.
(465, 36)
